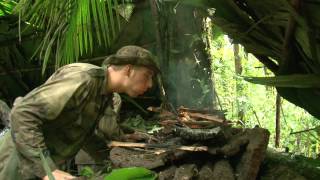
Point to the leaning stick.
(144, 145)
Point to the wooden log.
(207, 117)
(124, 157)
(144, 145)
(205, 111)
(201, 124)
(186, 172)
(167, 174)
(249, 164)
(206, 172)
(197, 134)
(222, 170)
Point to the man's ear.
(128, 69)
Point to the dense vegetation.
(251, 104)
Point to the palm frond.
(295, 80)
(71, 27)
(6, 7)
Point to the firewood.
(200, 124)
(144, 145)
(186, 172)
(205, 111)
(222, 170)
(208, 117)
(197, 134)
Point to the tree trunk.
(239, 88)
(278, 105)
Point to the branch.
(144, 145)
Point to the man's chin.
(134, 95)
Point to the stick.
(214, 118)
(144, 145)
(188, 123)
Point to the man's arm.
(109, 123)
(38, 107)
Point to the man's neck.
(114, 82)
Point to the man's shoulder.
(90, 69)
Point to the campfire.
(196, 144)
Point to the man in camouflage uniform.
(54, 121)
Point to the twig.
(306, 130)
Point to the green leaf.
(87, 172)
(46, 166)
(295, 80)
(96, 21)
(131, 174)
(85, 22)
(6, 7)
(109, 2)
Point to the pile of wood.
(191, 117)
(187, 149)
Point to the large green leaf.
(295, 80)
(132, 173)
(46, 166)
(71, 27)
(6, 7)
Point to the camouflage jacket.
(59, 118)
(4, 113)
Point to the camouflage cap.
(133, 55)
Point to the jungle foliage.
(258, 102)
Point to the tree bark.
(278, 105)
(238, 70)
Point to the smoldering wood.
(186, 115)
(186, 172)
(231, 148)
(206, 172)
(190, 123)
(122, 157)
(167, 174)
(222, 170)
(197, 134)
(238, 155)
(234, 153)
(214, 118)
(219, 113)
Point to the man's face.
(139, 80)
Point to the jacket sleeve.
(40, 106)
(109, 123)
